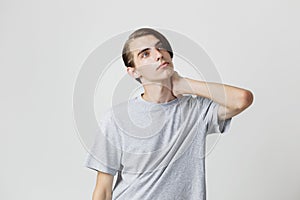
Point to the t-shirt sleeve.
(213, 123)
(105, 154)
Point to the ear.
(132, 72)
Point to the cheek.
(148, 70)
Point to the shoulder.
(196, 100)
(118, 117)
(117, 109)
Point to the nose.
(158, 54)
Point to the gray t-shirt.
(157, 149)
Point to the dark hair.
(126, 53)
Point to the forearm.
(226, 95)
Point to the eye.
(145, 54)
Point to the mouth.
(163, 65)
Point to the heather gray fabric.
(157, 149)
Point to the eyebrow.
(146, 49)
(142, 51)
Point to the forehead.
(143, 42)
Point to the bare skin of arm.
(103, 188)
(232, 100)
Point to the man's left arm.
(232, 100)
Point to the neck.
(158, 92)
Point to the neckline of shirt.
(140, 98)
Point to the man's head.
(147, 54)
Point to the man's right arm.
(103, 188)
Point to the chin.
(162, 76)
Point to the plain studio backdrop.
(253, 44)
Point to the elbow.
(102, 195)
(246, 100)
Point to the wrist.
(185, 86)
(191, 86)
(182, 86)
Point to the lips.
(164, 64)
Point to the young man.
(159, 150)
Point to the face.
(152, 62)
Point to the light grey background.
(254, 44)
